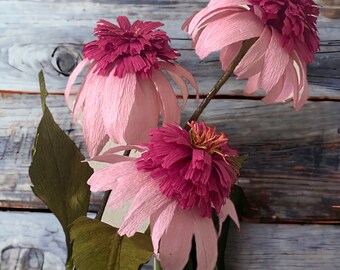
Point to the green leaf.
(239, 160)
(97, 245)
(57, 173)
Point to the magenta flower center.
(295, 20)
(127, 48)
(194, 168)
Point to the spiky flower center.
(295, 20)
(194, 168)
(205, 138)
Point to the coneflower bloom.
(124, 90)
(286, 42)
(180, 178)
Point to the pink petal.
(182, 86)
(127, 186)
(229, 53)
(252, 84)
(145, 113)
(252, 62)
(182, 72)
(300, 99)
(160, 222)
(275, 63)
(171, 110)
(79, 68)
(228, 30)
(111, 158)
(175, 244)
(106, 178)
(147, 201)
(228, 209)
(118, 99)
(218, 3)
(93, 126)
(274, 93)
(206, 243)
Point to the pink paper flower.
(124, 90)
(179, 178)
(287, 41)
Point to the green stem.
(107, 195)
(156, 264)
(226, 75)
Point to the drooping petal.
(206, 243)
(228, 209)
(218, 3)
(145, 113)
(160, 222)
(301, 98)
(252, 62)
(229, 30)
(169, 100)
(182, 72)
(274, 93)
(252, 84)
(275, 62)
(95, 135)
(79, 68)
(106, 178)
(148, 200)
(117, 105)
(228, 54)
(176, 242)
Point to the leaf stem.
(156, 264)
(226, 75)
(107, 195)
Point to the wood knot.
(65, 59)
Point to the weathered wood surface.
(283, 247)
(292, 171)
(37, 239)
(58, 29)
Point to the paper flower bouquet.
(183, 181)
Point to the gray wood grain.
(283, 247)
(57, 31)
(293, 166)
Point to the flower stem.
(107, 195)
(156, 264)
(226, 75)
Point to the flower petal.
(252, 84)
(228, 209)
(147, 201)
(145, 113)
(171, 110)
(118, 99)
(228, 54)
(227, 30)
(206, 243)
(176, 242)
(160, 222)
(94, 134)
(275, 63)
(252, 62)
(75, 73)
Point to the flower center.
(295, 20)
(127, 48)
(193, 168)
(205, 138)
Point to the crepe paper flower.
(286, 36)
(124, 90)
(177, 182)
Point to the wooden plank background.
(291, 176)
